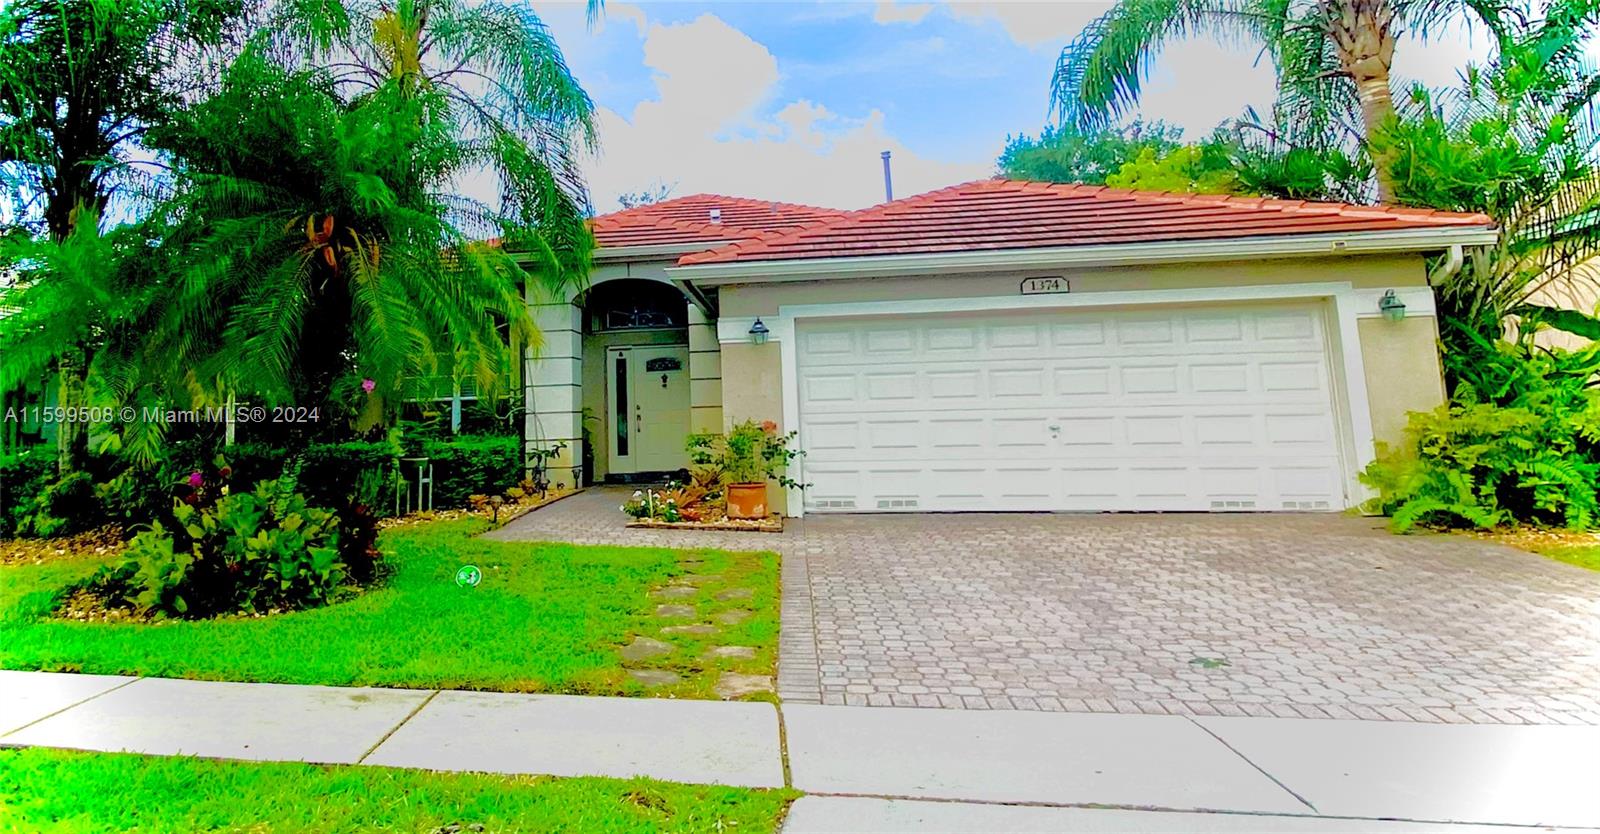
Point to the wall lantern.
(1391, 306)
(759, 333)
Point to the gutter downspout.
(1452, 264)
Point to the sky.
(794, 101)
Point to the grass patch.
(1573, 548)
(545, 618)
(50, 791)
(1580, 555)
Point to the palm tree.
(319, 233)
(80, 82)
(1333, 57)
(504, 86)
(1518, 140)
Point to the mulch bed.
(104, 541)
(508, 512)
(770, 524)
(1538, 539)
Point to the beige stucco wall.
(752, 389)
(1362, 272)
(1402, 370)
(1581, 292)
(1400, 359)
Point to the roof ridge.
(897, 225)
(845, 220)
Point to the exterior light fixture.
(759, 333)
(1391, 306)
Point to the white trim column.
(553, 388)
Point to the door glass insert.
(621, 416)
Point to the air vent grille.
(1233, 505)
(1306, 505)
(897, 503)
(834, 504)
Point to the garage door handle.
(1055, 429)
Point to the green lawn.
(545, 618)
(50, 791)
(1581, 555)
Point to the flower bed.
(770, 524)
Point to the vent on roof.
(897, 503)
(716, 215)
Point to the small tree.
(80, 83)
(1067, 154)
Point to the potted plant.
(748, 456)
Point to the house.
(1006, 345)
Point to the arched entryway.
(636, 392)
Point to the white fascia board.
(1128, 254)
(656, 251)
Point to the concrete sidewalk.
(867, 768)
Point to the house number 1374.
(1042, 286)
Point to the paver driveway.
(1289, 615)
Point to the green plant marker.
(469, 576)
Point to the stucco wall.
(1362, 272)
(753, 390)
(1403, 372)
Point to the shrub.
(351, 473)
(1520, 443)
(471, 465)
(23, 476)
(249, 552)
(750, 452)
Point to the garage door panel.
(1197, 408)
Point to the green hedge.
(472, 465)
(23, 476)
(462, 466)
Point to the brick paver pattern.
(1294, 615)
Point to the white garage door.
(1180, 408)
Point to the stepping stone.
(736, 593)
(676, 592)
(644, 648)
(732, 685)
(674, 610)
(654, 677)
(698, 628)
(734, 617)
(727, 652)
(697, 578)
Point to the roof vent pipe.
(888, 184)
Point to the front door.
(647, 402)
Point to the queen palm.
(80, 83)
(1333, 57)
(320, 227)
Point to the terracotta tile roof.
(1014, 214)
(689, 220)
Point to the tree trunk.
(72, 439)
(1364, 37)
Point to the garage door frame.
(1344, 306)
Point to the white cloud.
(625, 12)
(1034, 24)
(713, 127)
(889, 11)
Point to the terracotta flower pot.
(747, 500)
